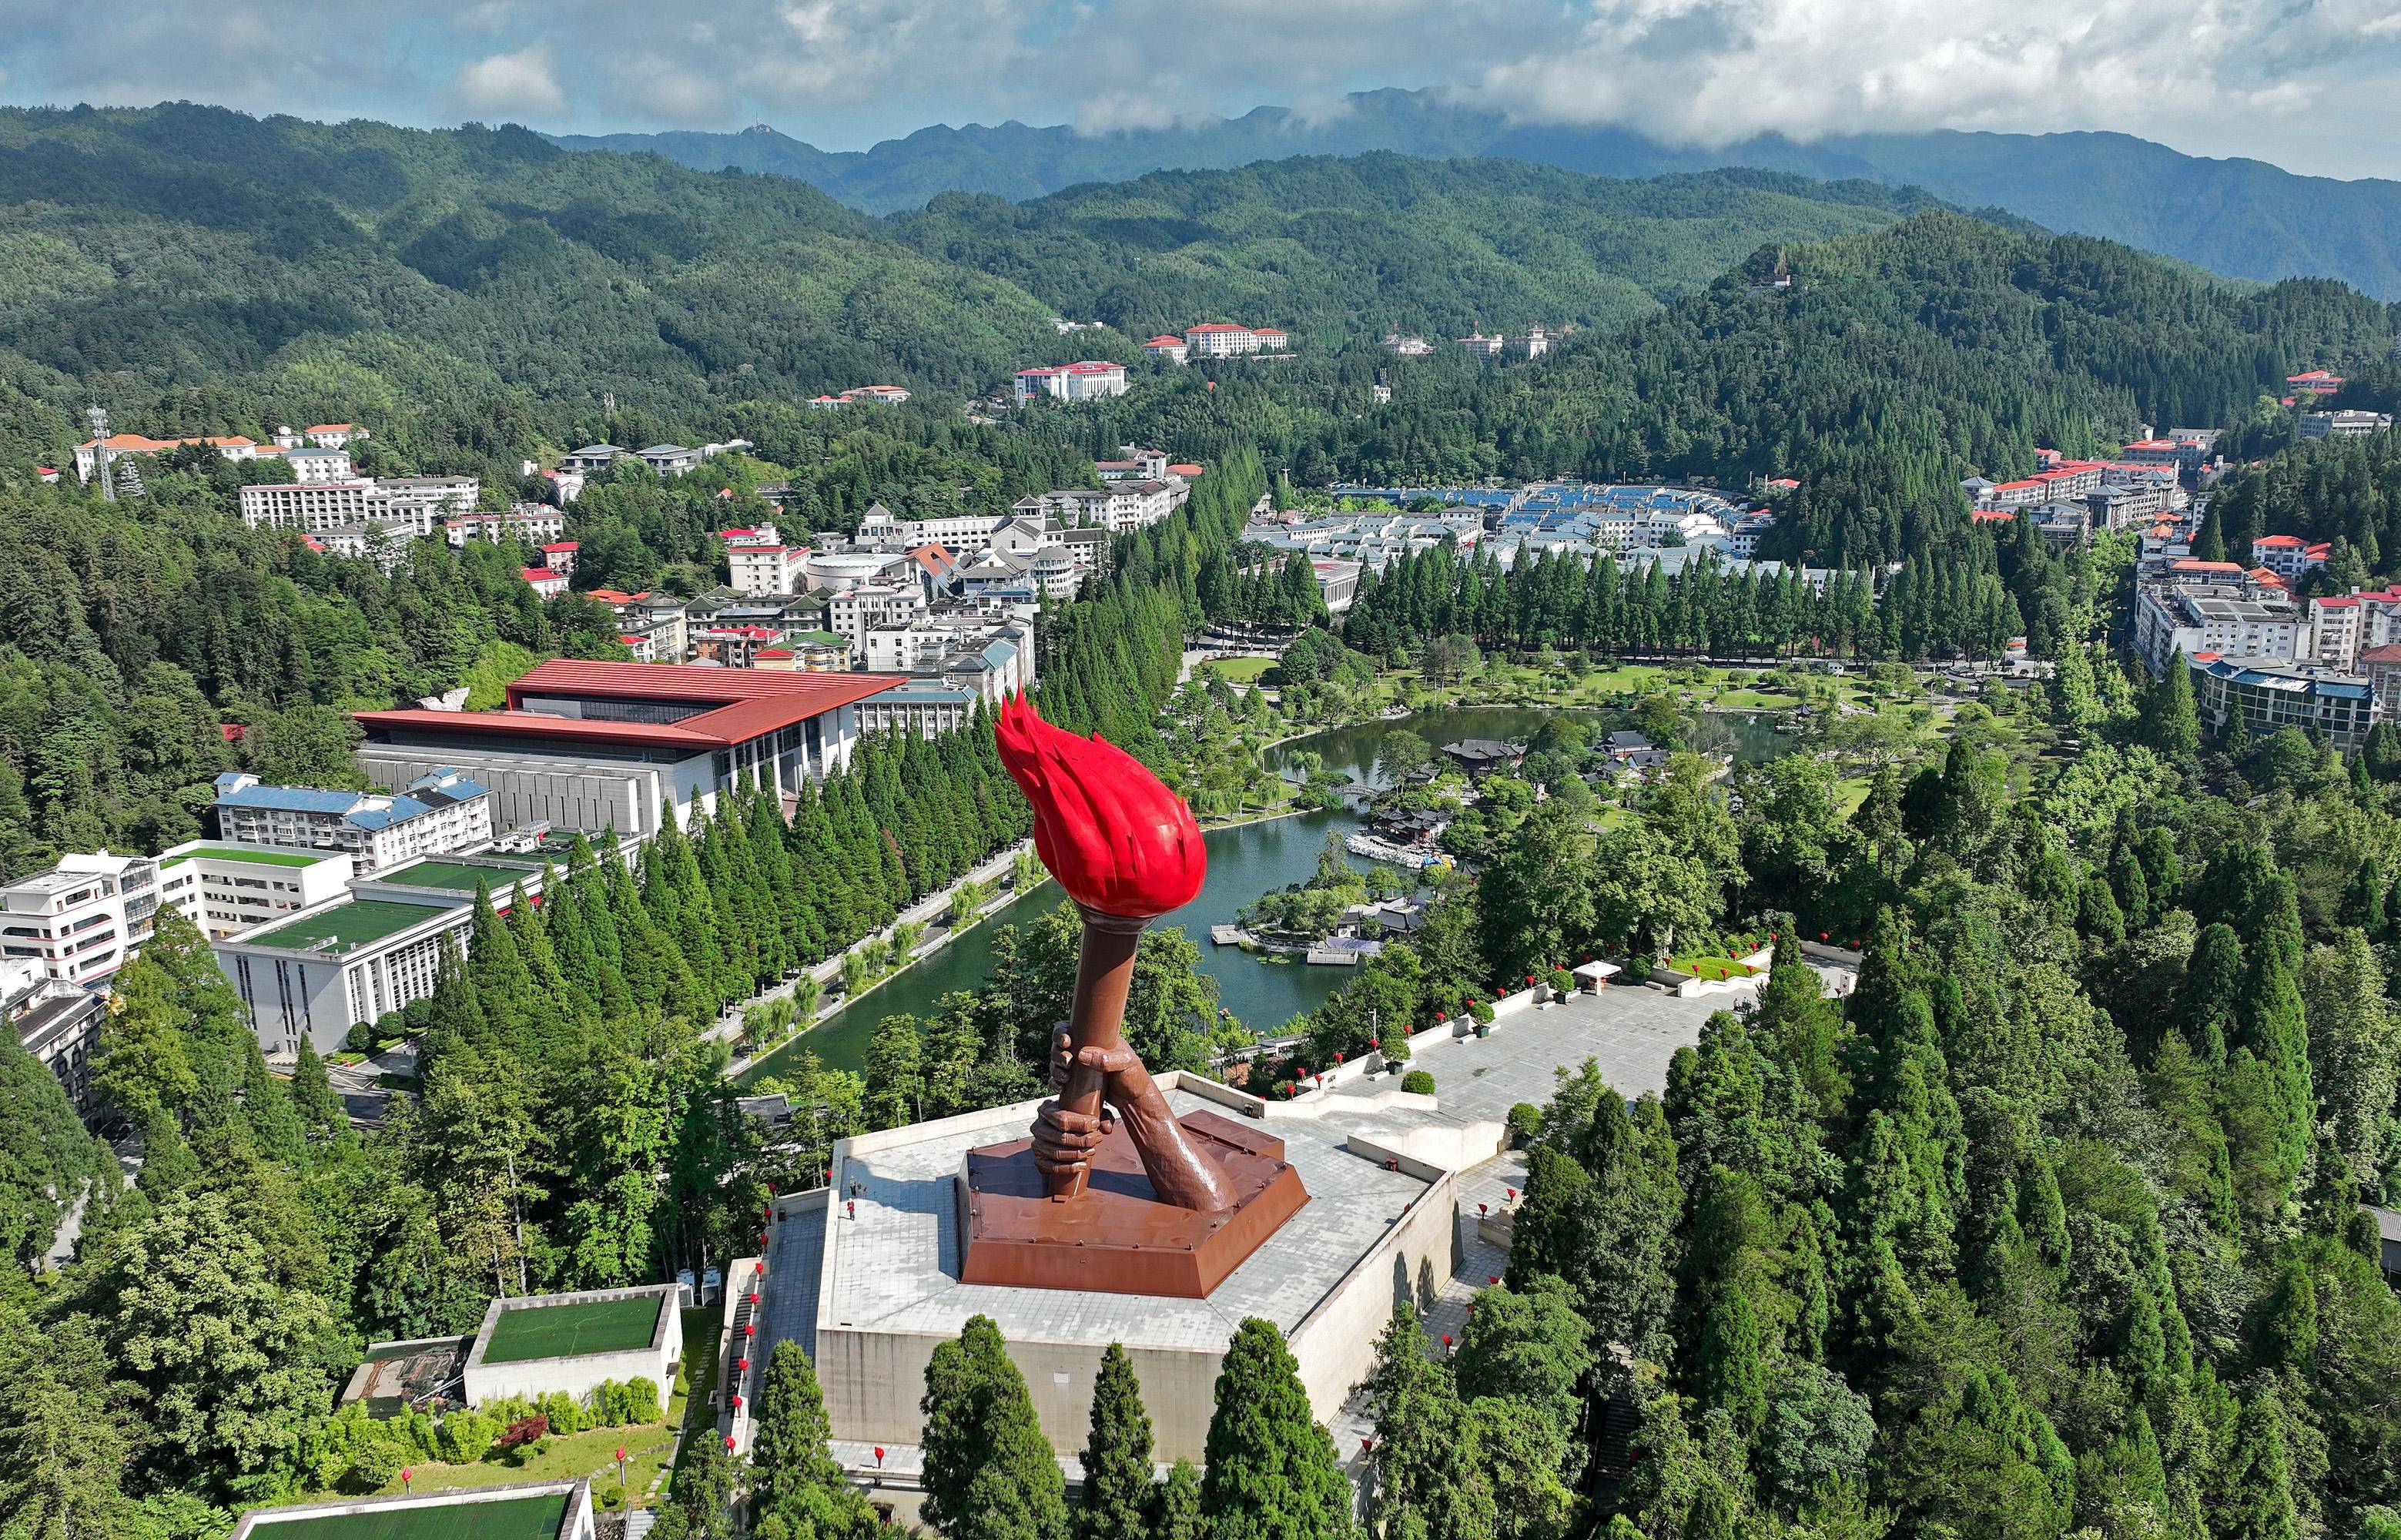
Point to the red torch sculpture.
(1125, 849)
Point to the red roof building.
(588, 745)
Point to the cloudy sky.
(2307, 84)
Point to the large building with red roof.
(593, 745)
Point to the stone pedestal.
(1117, 1237)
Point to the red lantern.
(620, 1455)
(749, 1329)
(1441, 1016)
(406, 1473)
(1493, 1278)
(1530, 978)
(754, 1295)
(1483, 1208)
(741, 1365)
(1374, 1042)
(1513, 1194)
(879, 1457)
(737, 1403)
(729, 1443)
(1338, 1058)
(1445, 1341)
(1821, 935)
(1365, 1445)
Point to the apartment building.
(1222, 339)
(2289, 556)
(436, 813)
(413, 504)
(1117, 507)
(534, 523)
(2229, 619)
(854, 613)
(312, 465)
(768, 571)
(84, 918)
(55, 1023)
(90, 452)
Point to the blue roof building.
(437, 812)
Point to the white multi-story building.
(991, 658)
(84, 918)
(768, 571)
(370, 949)
(2289, 556)
(413, 504)
(424, 502)
(225, 887)
(432, 815)
(547, 582)
(1133, 464)
(1172, 349)
(1088, 380)
(333, 436)
(2343, 424)
(854, 613)
(1221, 339)
(763, 534)
(2226, 619)
(1117, 507)
(534, 523)
(1484, 348)
(670, 459)
(961, 534)
(1407, 346)
(312, 465)
(592, 459)
(1530, 344)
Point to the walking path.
(923, 911)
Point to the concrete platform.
(890, 1286)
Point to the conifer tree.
(989, 1473)
(1118, 1497)
(1177, 1515)
(321, 1112)
(1271, 1471)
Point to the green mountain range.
(1329, 247)
(2242, 218)
(165, 260)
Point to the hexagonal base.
(1117, 1237)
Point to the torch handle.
(1104, 978)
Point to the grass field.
(1240, 670)
(573, 1331)
(1708, 967)
(511, 1519)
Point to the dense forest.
(1333, 250)
(2240, 217)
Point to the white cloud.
(510, 85)
(2254, 76)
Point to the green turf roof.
(347, 926)
(539, 1517)
(575, 1330)
(460, 876)
(261, 858)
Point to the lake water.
(1245, 861)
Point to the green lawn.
(348, 926)
(573, 1331)
(535, 1517)
(1240, 670)
(588, 1455)
(257, 857)
(460, 876)
(1709, 967)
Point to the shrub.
(373, 1466)
(1562, 982)
(1418, 1083)
(361, 1038)
(524, 1431)
(1524, 1122)
(1482, 1012)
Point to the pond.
(1245, 861)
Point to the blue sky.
(2307, 84)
